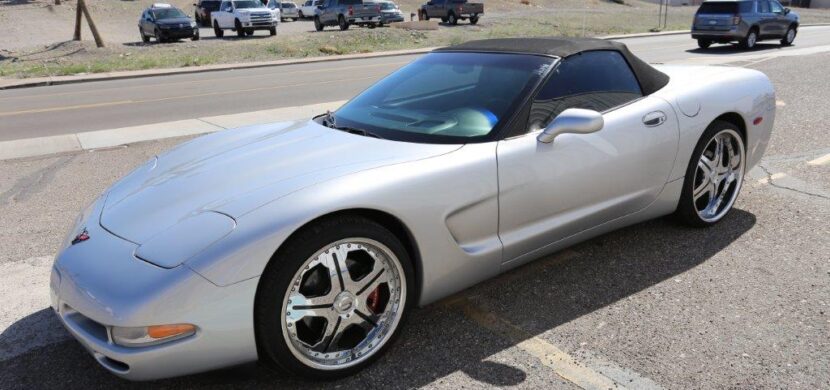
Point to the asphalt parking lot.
(743, 304)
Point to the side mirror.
(786, 11)
(320, 6)
(573, 121)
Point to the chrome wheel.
(343, 304)
(719, 175)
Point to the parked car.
(166, 23)
(309, 9)
(244, 17)
(451, 11)
(202, 10)
(345, 13)
(389, 12)
(306, 244)
(744, 21)
(288, 10)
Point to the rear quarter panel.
(701, 94)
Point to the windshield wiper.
(356, 131)
(329, 121)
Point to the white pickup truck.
(244, 17)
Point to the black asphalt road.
(73, 108)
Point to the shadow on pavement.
(727, 49)
(439, 339)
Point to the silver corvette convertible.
(304, 245)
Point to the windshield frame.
(156, 17)
(498, 132)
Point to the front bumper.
(260, 24)
(98, 284)
(185, 32)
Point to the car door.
(779, 19)
(327, 13)
(147, 24)
(766, 19)
(548, 192)
(225, 16)
(434, 10)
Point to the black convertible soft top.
(650, 79)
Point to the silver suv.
(743, 21)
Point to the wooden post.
(98, 41)
(78, 11)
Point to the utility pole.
(83, 9)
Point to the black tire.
(158, 36)
(474, 20)
(277, 278)
(318, 25)
(444, 20)
(240, 32)
(144, 38)
(686, 212)
(301, 15)
(195, 36)
(249, 31)
(372, 25)
(425, 16)
(704, 43)
(452, 19)
(788, 39)
(218, 31)
(272, 31)
(749, 42)
(344, 25)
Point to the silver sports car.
(304, 245)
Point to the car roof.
(650, 79)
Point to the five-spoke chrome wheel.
(719, 174)
(343, 304)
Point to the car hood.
(236, 171)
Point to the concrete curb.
(57, 80)
(91, 140)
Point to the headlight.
(192, 24)
(150, 335)
(180, 242)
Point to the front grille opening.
(89, 326)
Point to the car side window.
(763, 7)
(594, 80)
(776, 7)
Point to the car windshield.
(247, 4)
(451, 97)
(168, 13)
(289, 5)
(387, 6)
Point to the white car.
(244, 17)
(309, 9)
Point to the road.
(744, 304)
(73, 108)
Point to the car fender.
(461, 226)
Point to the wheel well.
(388, 221)
(735, 119)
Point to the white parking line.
(774, 176)
(820, 161)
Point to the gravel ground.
(743, 304)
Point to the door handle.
(654, 119)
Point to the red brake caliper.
(373, 300)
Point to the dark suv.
(202, 11)
(743, 21)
